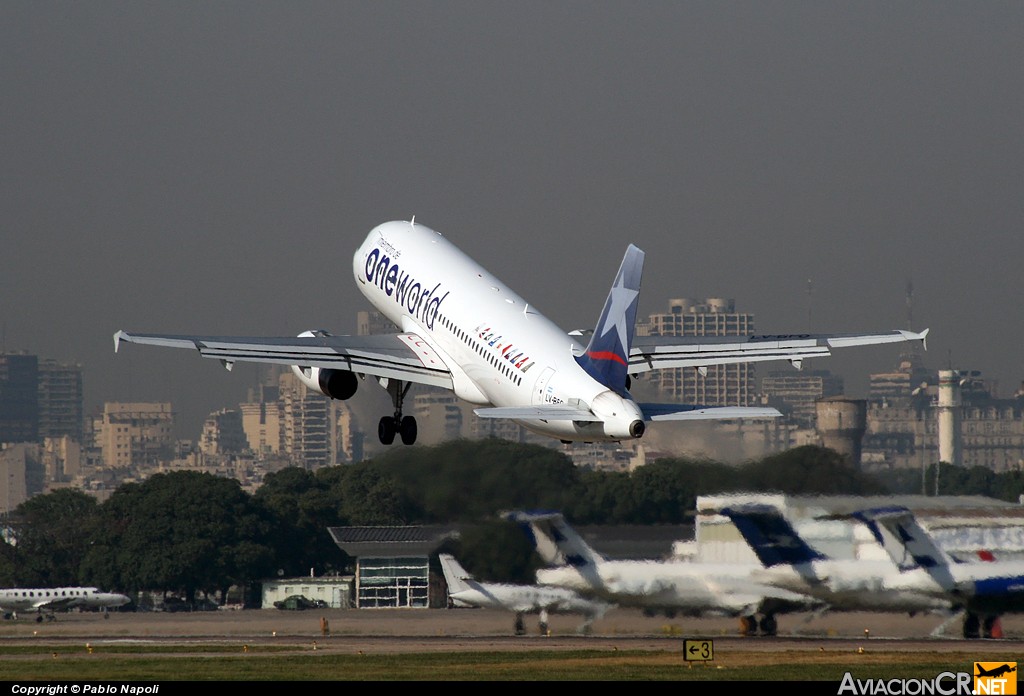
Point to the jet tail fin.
(606, 358)
(454, 574)
(555, 541)
(906, 542)
(770, 535)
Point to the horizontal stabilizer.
(548, 413)
(674, 412)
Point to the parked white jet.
(985, 590)
(463, 329)
(843, 584)
(50, 599)
(466, 591)
(670, 587)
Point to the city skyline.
(189, 168)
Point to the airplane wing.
(543, 412)
(674, 412)
(403, 356)
(662, 352)
(652, 412)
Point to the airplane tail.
(606, 358)
(909, 546)
(454, 574)
(556, 542)
(770, 535)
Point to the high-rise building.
(373, 323)
(918, 428)
(60, 400)
(722, 385)
(795, 392)
(223, 433)
(135, 434)
(19, 397)
(307, 427)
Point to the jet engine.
(337, 384)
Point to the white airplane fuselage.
(859, 585)
(14, 600)
(688, 588)
(524, 599)
(499, 350)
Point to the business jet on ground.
(51, 599)
(842, 584)
(465, 591)
(983, 590)
(463, 329)
(670, 587)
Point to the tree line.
(189, 533)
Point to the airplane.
(995, 671)
(48, 599)
(789, 562)
(465, 591)
(983, 589)
(462, 329)
(669, 587)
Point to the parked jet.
(50, 599)
(670, 587)
(842, 584)
(984, 589)
(466, 591)
(463, 329)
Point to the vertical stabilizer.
(454, 574)
(556, 542)
(770, 535)
(606, 359)
(901, 535)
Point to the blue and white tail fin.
(897, 530)
(606, 359)
(770, 535)
(556, 542)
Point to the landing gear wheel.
(971, 626)
(769, 626)
(386, 430)
(520, 628)
(408, 430)
(748, 625)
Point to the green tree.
(53, 533)
(807, 470)
(182, 532)
(303, 508)
(498, 551)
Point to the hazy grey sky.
(209, 167)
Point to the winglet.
(606, 358)
(912, 336)
(117, 339)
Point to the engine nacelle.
(337, 384)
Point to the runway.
(369, 631)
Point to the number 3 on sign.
(703, 650)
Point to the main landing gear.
(403, 426)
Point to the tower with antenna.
(911, 360)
